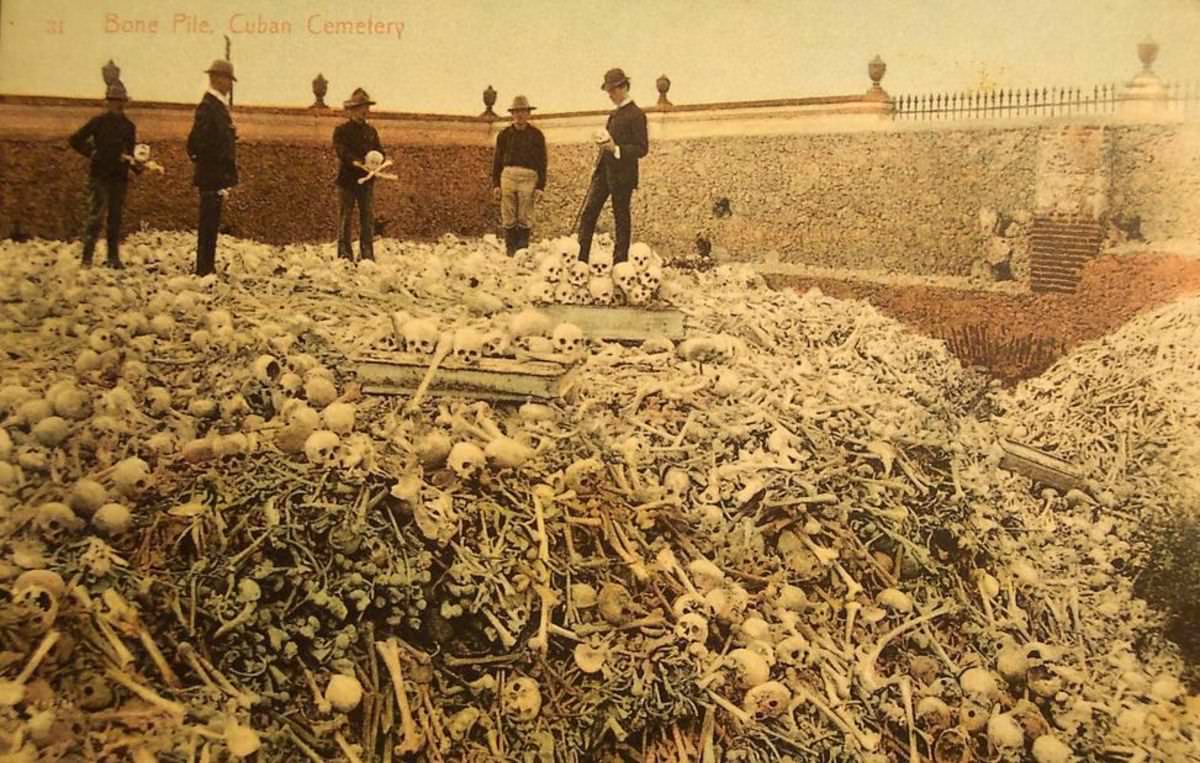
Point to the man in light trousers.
(518, 174)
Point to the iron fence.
(1184, 97)
(996, 104)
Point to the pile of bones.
(786, 537)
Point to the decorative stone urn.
(320, 86)
(489, 100)
(875, 70)
(1144, 96)
(111, 73)
(663, 83)
(1147, 53)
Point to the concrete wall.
(822, 181)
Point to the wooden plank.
(491, 379)
(1039, 466)
(620, 324)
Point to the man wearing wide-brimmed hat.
(518, 174)
(211, 146)
(353, 140)
(108, 139)
(624, 142)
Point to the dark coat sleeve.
(638, 144)
(340, 146)
(542, 161)
(82, 140)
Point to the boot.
(522, 238)
(510, 241)
(113, 260)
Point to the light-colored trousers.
(516, 196)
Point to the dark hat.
(521, 102)
(614, 78)
(221, 66)
(116, 92)
(358, 98)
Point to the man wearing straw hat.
(211, 147)
(353, 140)
(108, 140)
(621, 144)
(518, 174)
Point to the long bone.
(865, 668)
(412, 739)
(378, 172)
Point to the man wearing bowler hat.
(108, 140)
(353, 140)
(621, 146)
(211, 147)
(518, 174)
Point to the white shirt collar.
(224, 99)
(622, 103)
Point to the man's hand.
(496, 194)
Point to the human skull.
(600, 263)
(466, 460)
(692, 627)
(625, 276)
(373, 160)
(540, 291)
(521, 699)
(579, 274)
(581, 476)
(495, 344)
(640, 254)
(567, 250)
(638, 294)
(266, 368)
(564, 293)
(54, 521)
(749, 666)
(468, 345)
(141, 152)
(131, 476)
(600, 290)
(651, 277)
(37, 608)
(766, 700)
(551, 268)
(676, 482)
(321, 447)
(528, 324)
(568, 338)
(420, 336)
(792, 651)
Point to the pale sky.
(438, 55)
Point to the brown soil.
(1018, 336)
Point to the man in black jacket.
(107, 139)
(352, 140)
(616, 170)
(211, 146)
(518, 174)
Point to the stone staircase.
(1060, 246)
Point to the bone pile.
(785, 538)
(561, 278)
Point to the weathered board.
(1039, 466)
(401, 373)
(620, 324)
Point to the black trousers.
(362, 196)
(104, 196)
(622, 201)
(206, 232)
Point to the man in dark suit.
(353, 140)
(108, 140)
(211, 146)
(616, 171)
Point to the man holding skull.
(108, 140)
(354, 140)
(211, 145)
